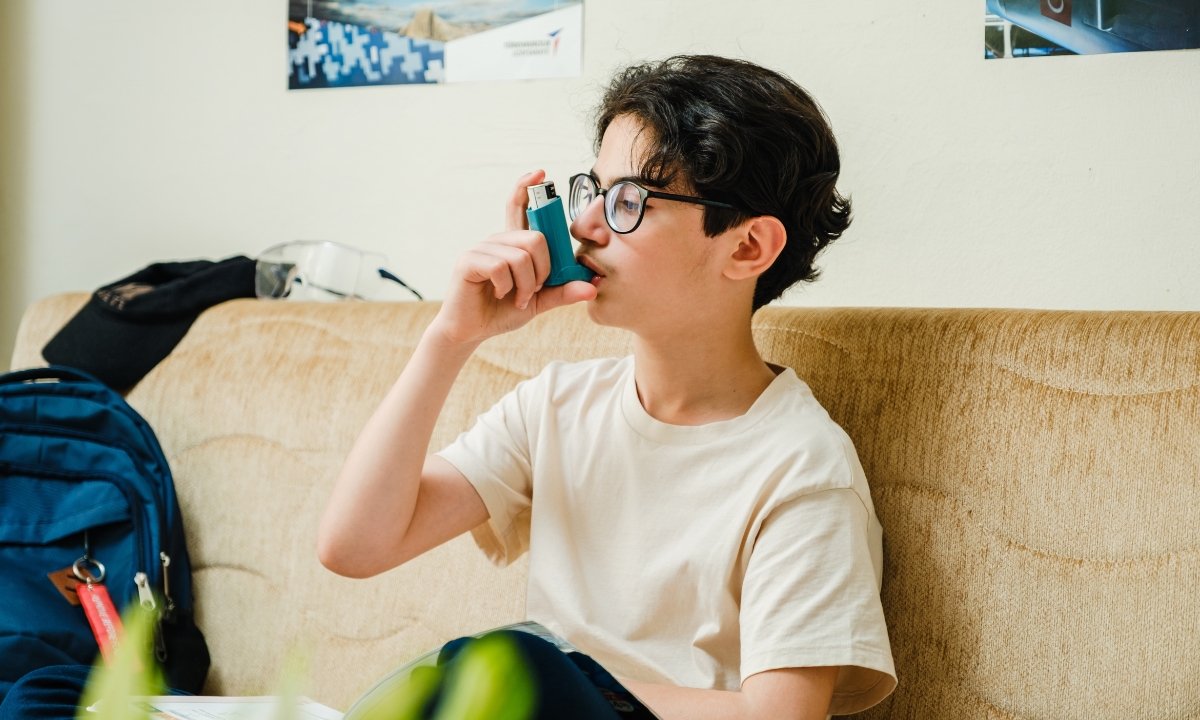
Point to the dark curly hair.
(739, 133)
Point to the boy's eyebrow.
(639, 179)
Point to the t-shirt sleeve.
(810, 598)
(494, 457)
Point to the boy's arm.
(786, 694)
(392, 503)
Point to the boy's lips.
(590, 264)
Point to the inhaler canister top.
(541, 195)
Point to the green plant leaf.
(488, 681)
(408, 699)
(134, 672)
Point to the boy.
(695, 521)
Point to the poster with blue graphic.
(1037, 28)
(354, 43)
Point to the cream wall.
(137, 130)
(13, 61)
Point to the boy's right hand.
(497, 285)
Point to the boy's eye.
(627, 199)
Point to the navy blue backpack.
(78, 466)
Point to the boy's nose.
(589, 226)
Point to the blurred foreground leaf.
(488, 681)
(292, 680)
(133, 673)
(407, 700)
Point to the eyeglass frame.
(643, 195)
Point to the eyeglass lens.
(583, 191)
(623, 202)
(623, 206)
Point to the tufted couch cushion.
(1037, 475)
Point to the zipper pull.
(160, 643)
(146, 598)
(166, 563)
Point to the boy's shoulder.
(814, 452)
(567, 377)
(593, 367)
(569, 386)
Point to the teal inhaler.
(546, 216)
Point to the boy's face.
(662, 277)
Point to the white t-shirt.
(690, 555)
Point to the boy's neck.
(709, 374)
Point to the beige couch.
(1037, 475)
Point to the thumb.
(575, 291)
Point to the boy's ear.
(759, 242)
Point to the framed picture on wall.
(354, 43)
(1037, 28)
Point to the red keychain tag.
(103, 617)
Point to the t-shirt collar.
(666, 434)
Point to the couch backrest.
(1037, 475)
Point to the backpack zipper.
(170, 604)
(145, 597)
(148, 604)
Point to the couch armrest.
(42, 321)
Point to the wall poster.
(350, 43)
(1034, 28)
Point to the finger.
(573, 292)
(484, 267)
(539, 251)
(520, 266)
(534, 243)
(502, 279)
(514, 214)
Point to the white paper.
(353, 43)
(545, 46)
(172, 707)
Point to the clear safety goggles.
(323, 271)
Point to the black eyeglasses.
(624, 202)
